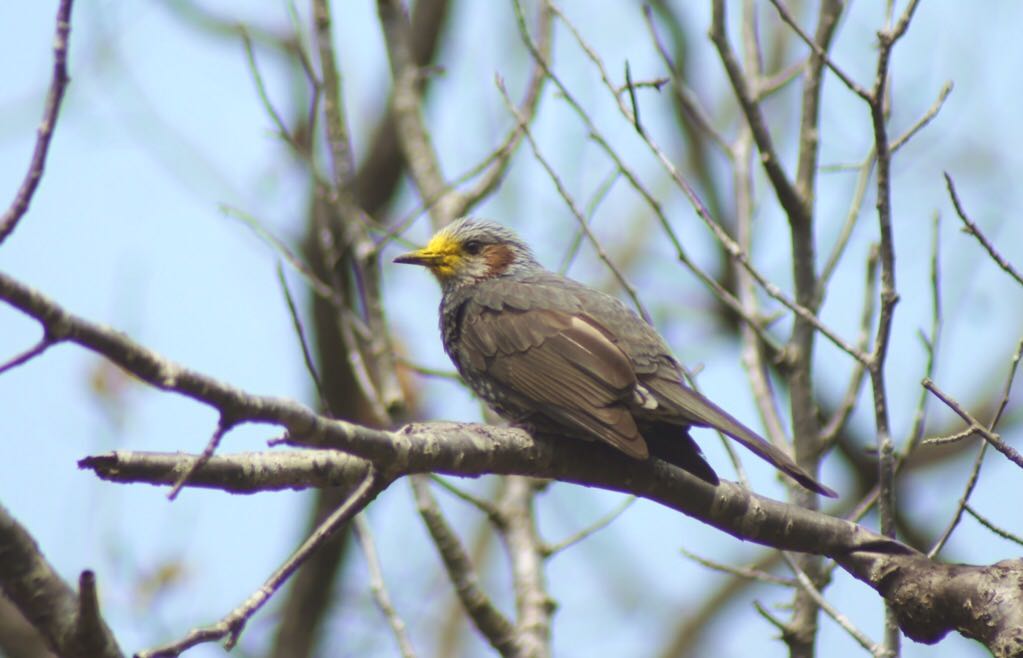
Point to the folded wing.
(563, 365)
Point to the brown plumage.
(547, 352)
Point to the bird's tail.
(698, 410)
(664, 442)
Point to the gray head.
(472, 250)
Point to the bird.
(553, 355)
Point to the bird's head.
(469, 250)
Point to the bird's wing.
(559, 363)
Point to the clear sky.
(162, 128)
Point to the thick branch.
(907, 579)
(525, 551)
(471, 450)
(69, 621)
(239, 473)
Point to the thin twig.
(691, 628)
(726, 241)
(264, 97)
(44, 344)
(916, 433)
(971, 484)
(975, 426)
(570, 202)
(990, 436)
(795, 207)
(746, 573)
(376, 584)
(838, 249)
(833, 428)
(931, 112)
(406, 101)
(230, 627)
(687, 99)
(712, 284)
(498, 162)
(58, 84)
(1004, 534)
(224, 426)
(974, 230)
(753, 357)
(950, 438)
(296, 323)
(782, 627)
(847, 80)
(317, 285)
(601, 193)
(593, 528)
(483, 505)
(428, 372)
(861, 638)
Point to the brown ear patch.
(498, 257)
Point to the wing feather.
(560, 364)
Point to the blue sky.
(162, 128)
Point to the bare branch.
(591, 529)
(975, 231)
(746, 573)
(472, 450)
(69, 621)
(296, 323)
(686, 637)
(570, 202)
(231, 626)
(493, 513)
(687, 99)
(19, 206)
(795, 207)
(820, 51)
(851, 216)
(971, 484)
(931, 343)
(44, 344)
(1004, 534)
(525, 551)
(224, 426)
(804, 581)
(376, 583)
(341, 158)
(238, 473)
(497, 163)
(488, 619)
(831, 430)
(922, 122)
(975, 425)
(976, 428)
(406, 100)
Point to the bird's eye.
(473, 247)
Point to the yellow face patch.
(441, 255)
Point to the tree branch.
(9, 220)
(69, 621)
(470, 450)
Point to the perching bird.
(547, 352)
